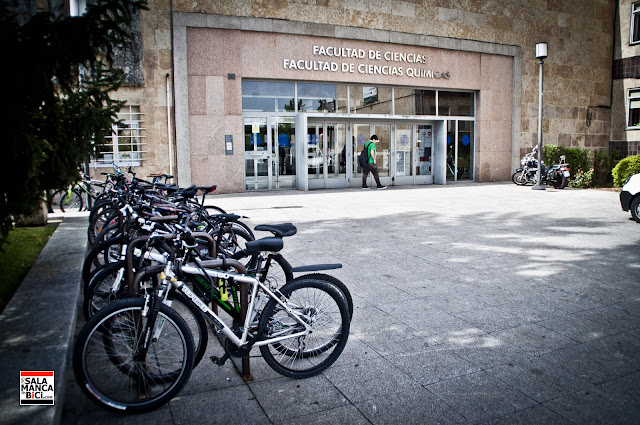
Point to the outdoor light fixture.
(541, 53)
(541, 50)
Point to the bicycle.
(85, 189)
(300, 331)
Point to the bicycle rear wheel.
(106, 366)
(324, 308)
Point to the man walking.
(371, 166)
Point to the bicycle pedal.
(220, 360)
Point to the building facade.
(265, 95)
(625, 111)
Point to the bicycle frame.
(215, 319)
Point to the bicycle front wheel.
(71, 201)
(322, 307)
(109, 369)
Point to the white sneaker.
(365, 188)
(382, 187)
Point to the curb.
(38, 324)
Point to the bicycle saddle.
(279, 230)
(268, 244)
(207, 189)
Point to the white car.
(630, 196)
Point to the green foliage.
(54, 119)
(575, 157)
(582, 179)
(603, 163)
(599, 164)
(626, 168)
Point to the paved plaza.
(474, 303)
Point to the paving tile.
(487, 350)
(590, 407)
(418, 406)
(433, 365)
(623, 345)
(534, 338)
(356, 351)
(285, 398)
(428, 322)
(479, 396)
(370, 379)
(575, 327)
(339, 415)
(533, 415)
(589, 363)
(234, 404)
(538, 379)
(490, 318)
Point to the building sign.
(332, 59)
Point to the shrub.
(603, 164)
(578, 159)
(582, 180)
(626, 168)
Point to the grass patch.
(23, 246)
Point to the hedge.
(625, 169)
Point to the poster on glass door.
(403, 152)
(425, 144)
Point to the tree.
(58, 82)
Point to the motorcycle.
(556, 175)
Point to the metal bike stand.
(241, 364)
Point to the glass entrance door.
(257, 154)
(326, 154)
(269, 153)
(283, 150)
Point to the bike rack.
(242, 364)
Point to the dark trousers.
(373, 168)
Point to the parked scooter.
(556, 175)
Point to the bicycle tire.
(100, 293)
(54, 200)
(329, 312)
(110, 375)
(72, 201)
(100, 254)
(100, 220)
(213, 210)
(279, 272)
(233, 239)
(338, 283)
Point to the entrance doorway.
(269, 153)
(327, 154)
(404, 152)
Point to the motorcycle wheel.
(520, 178)
(560, 183)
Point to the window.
(369, 99)
(635, 23)
(77, 7)
(316, 97)
(633, 111)
(458, 104)
(414, 102)
(125, 143)
(265, 96)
